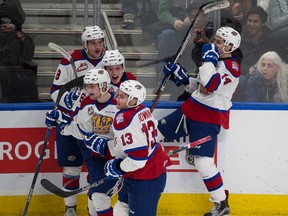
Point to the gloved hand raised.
(210, 53)
(54, 117)
(178, 74)
(112, 168)
(96, 143)
(70, 98)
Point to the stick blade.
(60, 50)
(54, 189)
(217, 5)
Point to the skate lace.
(216, 208)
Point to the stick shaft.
(190, 145)
(205, 8)
(64, 194)
(37, 171)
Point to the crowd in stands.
(263, 26)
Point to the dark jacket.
(13, 10)
(257, 91)
(252, 50)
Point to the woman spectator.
(269, 80)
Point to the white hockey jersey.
(135, 141)
(211, 102)
(94, 117)
(65, 73)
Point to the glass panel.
(62, 22)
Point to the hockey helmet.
(97, 76)
(230, 36)
(113, 57)
(91, 33)
(134, 89)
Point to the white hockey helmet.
(98, 76)
(91, 33)
(112, 58)
(134, 89)
(230, 36)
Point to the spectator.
(130, 10)
(12, 18)
(278, 14)
(257, 38)
(278, 22)
(269, 81)
(16, 53)
(177, 16)
(68, 147)
(238, 9)
(12, 15)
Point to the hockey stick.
(73, 83)
(64, 194)
(204, 9)
(48, 132)
(48, 185)
(190, 145)
(65, 54)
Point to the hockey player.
(114, 63)
(207, 109)
(140, 159)
(92, 123)
(69, 156)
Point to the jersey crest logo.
(90, 110)
(119, 118)
(101, 124)
(83, 66)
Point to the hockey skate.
(70, 211)
(220, 209)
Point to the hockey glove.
(112, 168)
(178, 74)
(54, 117)
(96, 143)
(70, 98)
(210, 53)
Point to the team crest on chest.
(82, 66)
(101, 124)
(90, 110)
